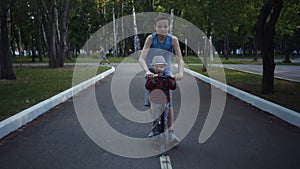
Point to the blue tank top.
(164, 49)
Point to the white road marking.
(165, 162)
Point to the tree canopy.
(58, 29)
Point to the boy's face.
(158, 68)
(162, 27)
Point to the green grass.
(35, 84)
(286, 93)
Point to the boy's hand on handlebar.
(178, 76)
(150, 75)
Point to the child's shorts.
(103, 57)
(147, 102)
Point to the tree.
(55, 16)
(202, 14)
(288, 23)
(63, 50)
(265, 32)
(49, 20)
(5, 52)
(26, 28)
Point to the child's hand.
(150, 75)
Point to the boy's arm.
(179, 59)
(143, 56)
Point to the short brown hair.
(162, 16)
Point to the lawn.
(286, 93)
(35, 84)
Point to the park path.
(245, 137)
(291, 73)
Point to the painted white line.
(14, 122)
(281, 112)
(165, 162)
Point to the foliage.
(230, 19)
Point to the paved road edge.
(18, 120)
(281, 112)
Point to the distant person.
(103, 56)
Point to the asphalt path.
(245, 137)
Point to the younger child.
(159, 96)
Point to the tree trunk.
(39, 45)
(226, 47)
(5, 53)
(206, 50)
(18, 38)
(39, 42)
(268, 64)
(150, 6)
(63, 45)
(49, 22)
(13, 49)
(205, 55)
(45, 31)
(32, 48)
(265, 32)
(52, 36)
(255, 50)
(286, 51)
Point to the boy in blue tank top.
(164, 44)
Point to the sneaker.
(151, 134)
(173, 139)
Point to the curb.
(14, 122)
(281, 112)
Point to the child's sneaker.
(173, 139)
(151, 134)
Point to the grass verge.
(286, 93)
(35, 84)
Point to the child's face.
(162, 27)
(159, 68)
